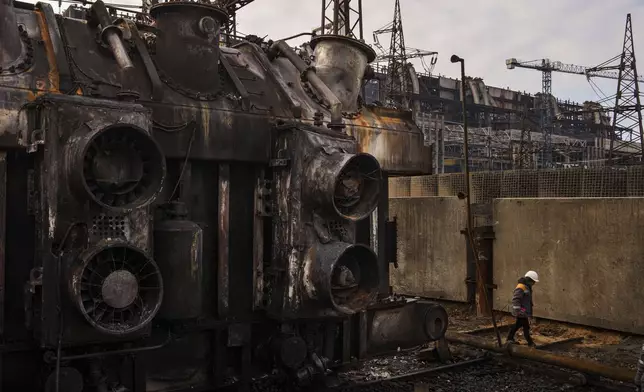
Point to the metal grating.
(107, 226)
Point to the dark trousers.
(521, 322)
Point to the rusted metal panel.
(258, 242)
(393, 140)
(223, 243)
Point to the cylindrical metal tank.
(187, 48)
(407, 326)
(11, 46)
(178, 252)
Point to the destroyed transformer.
(180, 215)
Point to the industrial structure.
(514, 130)
(178, 214)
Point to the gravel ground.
(385, 367)
(484, 377)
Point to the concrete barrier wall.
(431, 248)
(589, 254)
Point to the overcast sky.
(484, 32)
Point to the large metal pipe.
(514, 350)
(111, 35)
(11, 46)
(335, 106)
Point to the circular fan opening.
(354, 278)
(436, 321)
(357, 187)
(123, 167)
(119, 289)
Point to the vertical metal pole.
(466, 148)
(470, 234)
(324, 6)
(383, 215)
(347, 17)
(336, 16)
(360, 20)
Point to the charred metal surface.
(178, 246)
(189, 33)
(96, 184)
(381, 233)
(56, 45)
(258, 241)
(223, 261)
(341, 63)
(12, 42)
(321, 270)
(406, 325)
(163, 188)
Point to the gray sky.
(582, 32)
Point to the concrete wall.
(589, 254)
(431, 248)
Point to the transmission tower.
(341, 17)
(627, 119)
(546, 118)
(398, 78)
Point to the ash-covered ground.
(385, 367)
(489, 376)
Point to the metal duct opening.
(344, 276)
(347, 185)
(341, 63)
(117, 288)
(436, 322)
(187, 47)
(118, 167)
(11, 45)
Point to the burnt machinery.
(176, 215)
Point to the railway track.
(487, 373)
(484, 374)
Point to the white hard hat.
(532, 275)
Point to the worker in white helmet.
(639, 380)
(522, 307)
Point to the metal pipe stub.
(309, 75)
(513, 350)
(111, 35)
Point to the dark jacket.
(640, 369)
(522, 299)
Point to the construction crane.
(398, 80)
(627, 107)
(545, 65)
